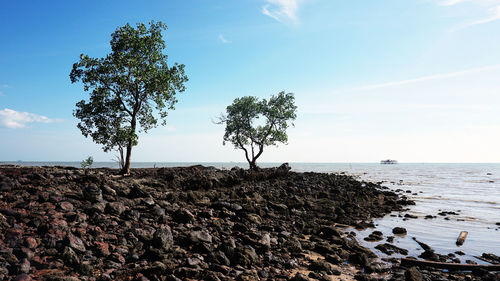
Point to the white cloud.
(451, 2)
(223, 40)
(494, 15)
(14, 119)
(490, 10)
(427, 78)
(281, 10)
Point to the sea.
(469, 193)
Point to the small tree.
(132, 88)
(242, 131)
(87, 163)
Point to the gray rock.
(70, 257)
(92, 193)
(245, 256)
(183, 216)
(200, 236)
(413, 274)
(75, 243)
(24, 266)
(163, 239)
(23, 277)
(115, 208)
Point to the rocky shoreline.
(193, 223)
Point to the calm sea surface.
(472, 191)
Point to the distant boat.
(388, 161)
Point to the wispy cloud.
(490, 10)
(281, 10)
(451, 2)
(223, 40)
(494, 16)
(14, 119)
(427, 78)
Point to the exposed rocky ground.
(192, 223)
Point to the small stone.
(70, 257)
(92, 193)
(24, 266)
(200, 236)
(103, 248)
(413, 274)
(75, 243)
(115, 208)
(23, 277)
(299, 277)
(66, 206)
(399, 230)
(245, 256)
(183, 216)
(30, 242)
(163, 239)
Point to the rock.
(75, 243)
(245, 256)
(248, 275)
(293, 245)
(115, 208)
(200, 236)
(103, 248)
(320, 265)
(92, 193)
(390, 249)
(97, 207)
(299, 277)
(254, 218)
(413, 274)
(399, 230)
(328, 232)
(374, 236)
(23, 277)
(108, 190)
(70, 257)
(100, 226)
(265, 240)
(24, 266)
(30, 242)
(183, 216)
(429, 255)
(163, 239)
(66, 206)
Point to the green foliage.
(275, 116)
(87, 163)
(131, 89)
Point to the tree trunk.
(253, 165)
(126, 167)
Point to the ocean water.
(472, 191)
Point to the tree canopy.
(131, 89)
(252, 124)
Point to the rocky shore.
(194, 223)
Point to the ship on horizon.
(388, 161)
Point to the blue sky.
(413, 80)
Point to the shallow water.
(470, 190)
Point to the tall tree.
(245, 131)
(132, 88)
